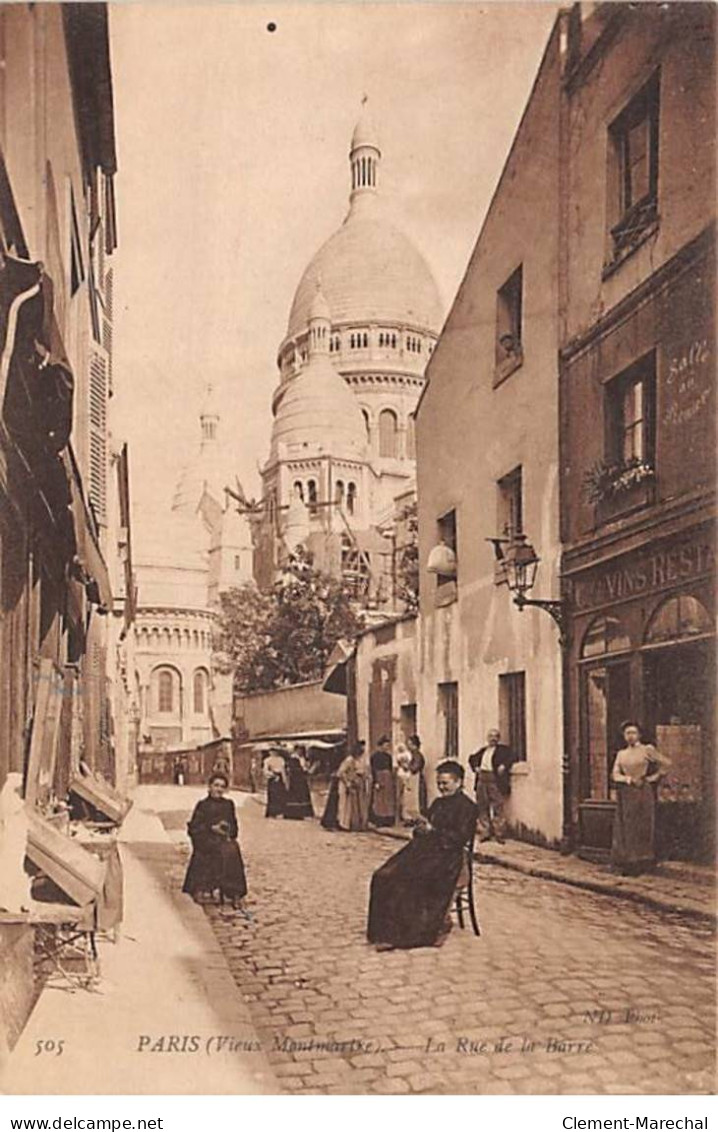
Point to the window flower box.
(616, 488)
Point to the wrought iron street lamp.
(520, 562)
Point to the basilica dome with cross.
(384, 303)
(362, 326)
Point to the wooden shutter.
(98, 394)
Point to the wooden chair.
(464, 894)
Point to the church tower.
(362, 326)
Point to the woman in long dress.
(216, 862)
(418, 767)
(383, 798)
(298, 804)
(637, 767)
(353, 792)
(330, 817)
(411, 893)
(407, 787)
(275, 773)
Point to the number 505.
(49, 1046)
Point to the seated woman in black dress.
(216, 861)
(411, 894)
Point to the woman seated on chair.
(411, 894)
(216, 861)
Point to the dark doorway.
(679, 688)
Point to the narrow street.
(506, 1013)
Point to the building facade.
(638, 410)
(580, 353)
(64, 519)
(362, 326)
(481, 663)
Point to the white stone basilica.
(362, 326)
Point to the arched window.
(351, 498)
(199, 692)
(365, 341)
(381, 339)
(165, 691)
(604, 635)
(365, 415)
(387, 433)
(678, 619)
(339, 492)
(393, 341)
(410, 437)
(299, 490)
(312, 496)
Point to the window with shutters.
(449, 709)
(77, 266)
(98, 392)
(107, 345)
(510, 504)
(509, 326)
(633, 172)
(512, 712)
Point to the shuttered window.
(98, 393)
(512, 712)
(449, 708)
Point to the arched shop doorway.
(653, 661)
(678, 662)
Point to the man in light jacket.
(492, 783)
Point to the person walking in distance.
(492, 783)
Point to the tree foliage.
(407, 564)
(285, 635)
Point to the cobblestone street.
(506, 1013)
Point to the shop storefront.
(643, 648)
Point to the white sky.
(233, 169)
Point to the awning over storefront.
(79, 874)
(335, 679)
(90, 564)
(320, 739)
(102, 795)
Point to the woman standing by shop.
(275, 773)
(638, 766)
(383, 799)
(298, 804)
(353, 792)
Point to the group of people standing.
(287, 777)
(387, 789)
(411, 893)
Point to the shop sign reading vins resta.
(649, 573)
